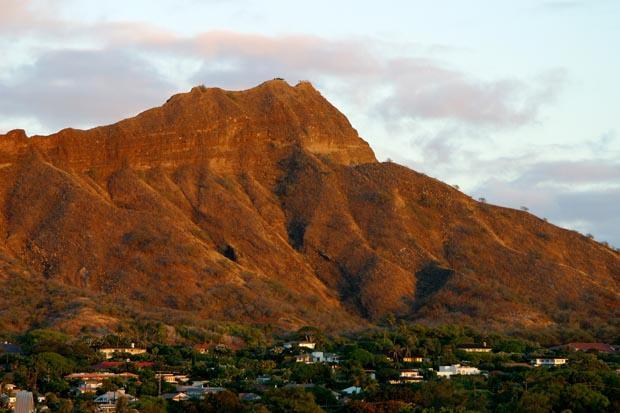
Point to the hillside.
(265, 206)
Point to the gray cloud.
(76, 88)
(423, 89)
(579, 194)
(419, 88)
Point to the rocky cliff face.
(266, 206)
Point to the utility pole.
(159, 384)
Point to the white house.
(548, 361)
(301, 344)
(317, 357)
(408, 376)
(456, 369)
(322, 357)
(307, 344)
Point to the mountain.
(265, 206)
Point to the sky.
(516, 102)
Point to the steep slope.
(265, 206)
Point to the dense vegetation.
(588, 383)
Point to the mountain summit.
(265, 206)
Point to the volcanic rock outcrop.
(265, 206)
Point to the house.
(202, 348)
(549, 361)
(413, 359)
(457, 369)
(8, 387)
(172, 378)
(111, 397)
(109, 352)
(300, 386)
(317, 357)
(349, 391)
(198, 391)
(304, 358)
(301, 344)
(306, 344)
(90, 382)
(475, 348)
(322, 357)
(408, 376)
(263, 379)
(176, 397)
(108, 365)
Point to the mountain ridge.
(265, 206)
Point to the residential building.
(549, 361)
(408, 376)
(457, 369)
(109, 352)
(177, 397)
(304, 358)
(172, 378)
(263, 379)
(413, 359)
(323, 357)
(301, 344)
(107, 401)
(90, 382)
(199, 391)
(475, 348)
(317, 357)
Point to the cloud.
(422, 90)
(83, 87)
(417, 88)
(578, 194)
(572, 173)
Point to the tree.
(66, 406)
(226, 401)
(534, 403)
(579, 398)
(152, 405)
(122, 405)
(293, 400)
